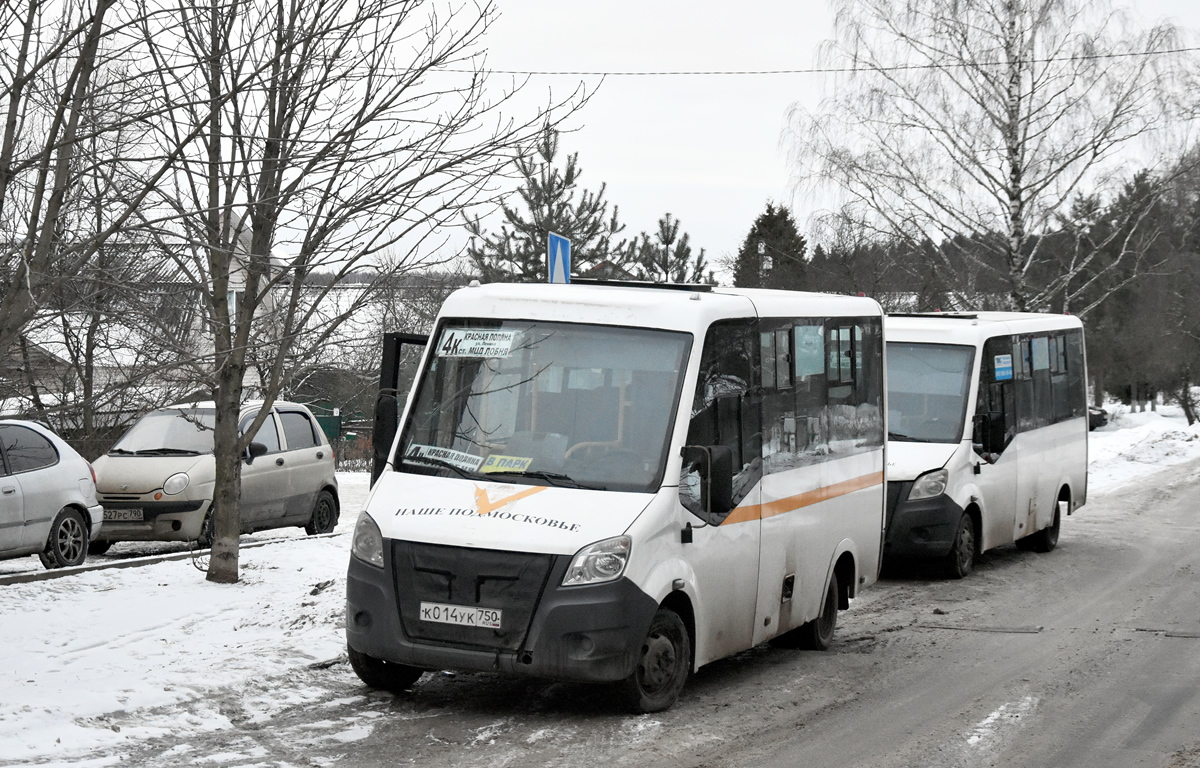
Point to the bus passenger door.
(724, 549)
(1001, 372)
(823, 441)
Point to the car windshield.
(927, 391)
(546, 404)
(170, 431)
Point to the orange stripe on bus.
(800, 500)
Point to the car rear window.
(298, 430)
(25, 449)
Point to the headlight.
(175, 483)
(368, 541)
(599, 562)
(929, 485)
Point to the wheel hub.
(657, 666)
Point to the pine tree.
(517, 253)
(667, 256)
(773, 253)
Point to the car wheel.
(384, 675)
(99, 546)
(325, 515)
(67, 543)
(961, 558)
(817, 635)
(1046, 539)
(663, 664)
(205, 539)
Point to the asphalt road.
(1086, 656)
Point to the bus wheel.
(664, 661)
(1045, 539)
(961, 558)
(384, 675)
(817, 634)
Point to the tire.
(99, 546)
(1046, 539)
(324, 516)
(67, 543)
(384, 675)
(664, 661)
(817, 635)
(960, 560)
(205, 539)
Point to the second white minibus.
(987, 433)
(607, 483)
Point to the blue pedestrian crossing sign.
(558, 259)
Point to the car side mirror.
(714, 464)
(254, 450)
(989, 434)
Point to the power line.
(811, 70)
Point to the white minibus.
(621, 483)
(987, 433)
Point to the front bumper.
(588, 634)
(915, 529)
(161, 520)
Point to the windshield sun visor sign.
(475, 342)
(498, 463)
(1003, 367)
(452, 457)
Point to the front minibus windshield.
(927, 391)
(542, 403)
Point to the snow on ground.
(85, 651)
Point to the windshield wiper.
(554, 478)
(120, 450)
(907, 438)
(165, 452)
(440, 463)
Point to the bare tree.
(984, 121)
(71, 143)
(330, 132)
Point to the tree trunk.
(227, 490)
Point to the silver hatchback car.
(48, 500)
(156, 482)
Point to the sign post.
(558, 259)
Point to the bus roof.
(647, 305)
(971, 327)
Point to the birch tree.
(985, 120)
(330, 131)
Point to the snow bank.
(1136, 444)
(84, 652)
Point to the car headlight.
(176, 483)
(599, 562)
(368, 541)
(929, 485)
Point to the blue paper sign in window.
(1003, 367)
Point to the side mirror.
(387, 418)
(714, 463)
(989, 433)
(254, 450)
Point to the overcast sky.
(705, 148)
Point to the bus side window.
(996, 383)
(1076, 383)
(830, 404)
(725, 408)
